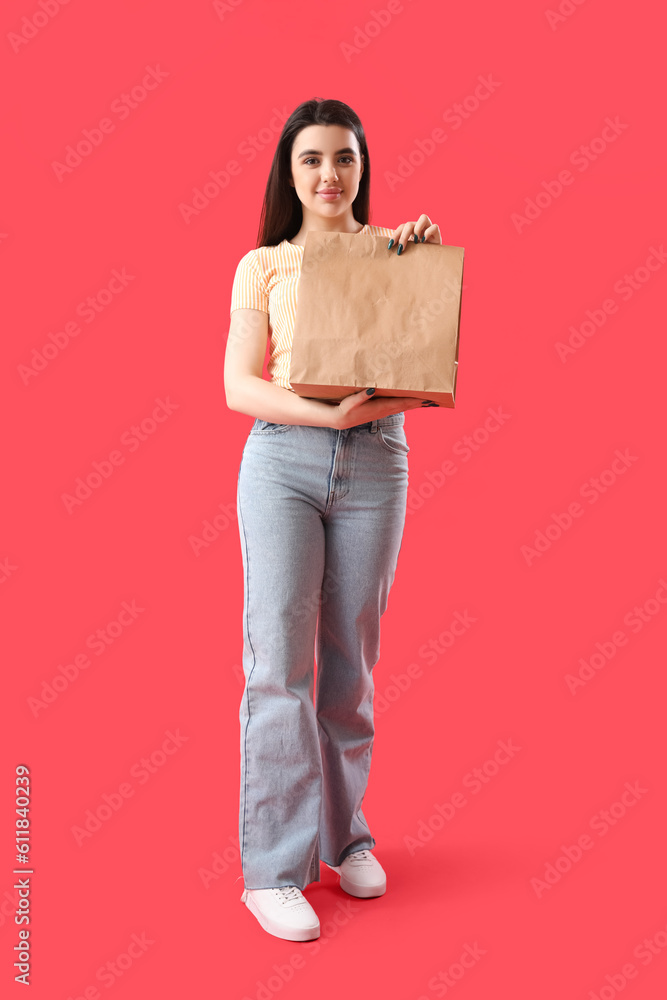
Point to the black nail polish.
(424, 237)
(390, 245)
(400, 249)
(415, 238)
(369, 392)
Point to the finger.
(356, 399)
(422, 225)
(404, 238)
(395, 234)
(399, 403)
(394, 237)
(401, 237)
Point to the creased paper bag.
(367, 317)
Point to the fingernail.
(390, 244)
(369, 392)
(415, 238)
(423, 237)
(400, 249)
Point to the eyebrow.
(318, 152)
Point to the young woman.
(322, 494)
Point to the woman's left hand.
(421, 231)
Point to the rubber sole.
(360, 891)
(276, 929)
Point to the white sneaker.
(284, 912)
(361, 874)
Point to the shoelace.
(289, 893)
(358, 856)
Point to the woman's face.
(326, 158)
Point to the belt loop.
(374, 426)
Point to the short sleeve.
(249, 289)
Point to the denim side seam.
(247, 686)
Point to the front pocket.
(266, 427)
(393, 438)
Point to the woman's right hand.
(359, 408)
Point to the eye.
(313, 159)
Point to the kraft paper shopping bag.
(367, 317)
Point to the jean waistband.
(393, 420)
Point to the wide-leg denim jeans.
(321, 514)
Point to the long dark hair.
(282, 213)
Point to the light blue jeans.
(321, 514)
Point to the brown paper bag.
(367, 317)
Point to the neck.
(318, 224)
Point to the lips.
(329, 194)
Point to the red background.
(176, 667)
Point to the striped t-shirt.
(266, 278)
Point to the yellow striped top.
(266, 278)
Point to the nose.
(329, 172)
